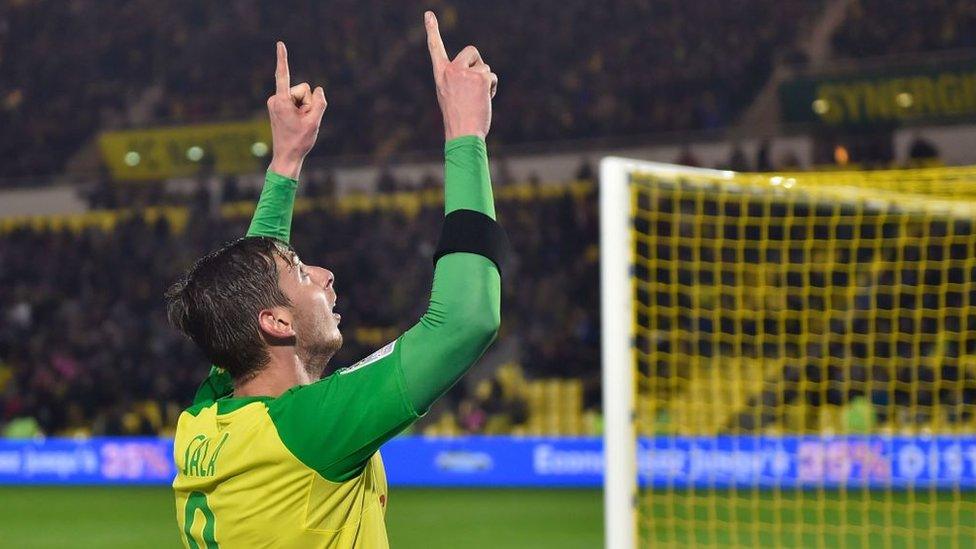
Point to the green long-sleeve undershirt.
(272, 215)
(465, 300)
(464, 310)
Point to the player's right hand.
(465, 86)
(296, 113)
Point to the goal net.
(788, 360)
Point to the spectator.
(737, 160)
(922, 152)
(585, 171)
(686, 157)
(763, 163)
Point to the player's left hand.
(465, 86)
(296, 114)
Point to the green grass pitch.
(69, 517)
(824, 519)
(63, 517)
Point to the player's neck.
(282, 373)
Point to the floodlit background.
(133, 139)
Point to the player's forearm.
(272, 216)
(459, 325)
(464, 313)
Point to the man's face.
(313, 298)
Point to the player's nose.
(323, 277)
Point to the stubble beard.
(318, 346)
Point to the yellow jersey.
(299, 470)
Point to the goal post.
(616, 311)
(788, 360)
(617, 314)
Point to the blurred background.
(133, 139)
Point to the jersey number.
(198, 501)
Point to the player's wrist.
(450, 135)
(464, 140)
(286, 165)
(463, 126)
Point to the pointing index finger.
(438, 55)
(282, 78)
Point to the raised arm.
(464, 311)
(358, 408)
(296, 114)
(463, 316)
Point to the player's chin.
(335, 337)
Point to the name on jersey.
(200, 457)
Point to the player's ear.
(276, 323)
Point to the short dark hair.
(216, 302)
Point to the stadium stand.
(882, 27)
(71, 341)
(662, 69)
(87, 350)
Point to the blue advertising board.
(809, 461)
(679, 462)
(494, 461)
(87, 461)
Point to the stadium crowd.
(117, 63)
(85, 348)
(886, 27)
(622, 68)
(80, 310)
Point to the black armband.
(473, 232)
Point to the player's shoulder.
(338, 388)
(376, 356)
(197, 407)
(225, 405)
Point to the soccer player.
(269, 455)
